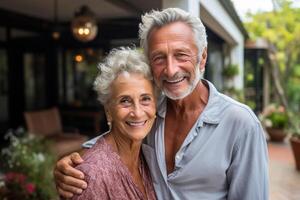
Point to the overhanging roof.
(228, 6)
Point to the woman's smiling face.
(132, 107)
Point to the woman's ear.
(108, 117)
(108, 114)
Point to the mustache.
(177, 76)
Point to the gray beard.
(198, 76)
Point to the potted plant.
(295, 139)
(230, 71)
(26, 168)
(275, 119)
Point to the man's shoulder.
(240, 119)
(221, 108)
(236, 110)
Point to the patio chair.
(47, 123)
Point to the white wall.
(192, 6)
(225, 27)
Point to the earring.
(109, 125)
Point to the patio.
(284, 178)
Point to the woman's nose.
(137, 110)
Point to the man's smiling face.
(174, 59)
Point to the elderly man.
(203, 145)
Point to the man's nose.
(171, 66)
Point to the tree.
(281, 27)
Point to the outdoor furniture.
(94, 116)
(47, 123)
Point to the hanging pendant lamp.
(84, 25)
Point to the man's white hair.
(156, 19)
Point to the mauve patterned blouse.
(109, 178)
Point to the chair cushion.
(44, 122)
(64, 144)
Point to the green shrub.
(27, 167)
(274, 116)
(230, 71)
(278, 119)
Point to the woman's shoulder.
(98, 160)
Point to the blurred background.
(49, 52)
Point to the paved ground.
(284, 178)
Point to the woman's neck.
(128, 150)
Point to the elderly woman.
(115, 168)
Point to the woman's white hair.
(156, 19)
(120, 60)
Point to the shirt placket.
(181, 152)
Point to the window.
(80, 73)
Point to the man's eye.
(158, 60)
(182, 57)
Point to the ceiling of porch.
(103, 9)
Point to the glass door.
(34, 80)
(3, 91)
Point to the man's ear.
(203, 59)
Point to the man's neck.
(197, 100)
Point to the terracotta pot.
(295, 143)
(276, 134)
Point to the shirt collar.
(211, 112)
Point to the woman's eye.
(146, 100)
(125, 102)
